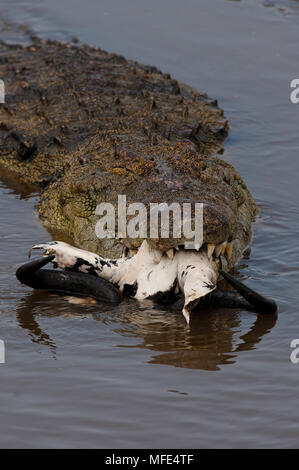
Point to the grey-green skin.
(86, 126)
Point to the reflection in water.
(18, 188)
(26, 317)
(207, 343)
(212, 338)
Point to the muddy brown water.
(134, 375)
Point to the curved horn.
(228, 299)
(259, 303)
(216, 299)
(81, 284)
(26, 273)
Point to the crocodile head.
(181, 176)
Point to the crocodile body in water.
(87, 126)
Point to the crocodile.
(84, 126)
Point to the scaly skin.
(86, 126)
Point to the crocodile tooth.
(229, 250)
(223, 247)
(211, 248)
(170, 253)
(132, 252)
(218, 249)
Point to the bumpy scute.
(87, 126)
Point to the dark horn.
(228, 299)
(26, 273)
(217, 299)
(75, 283)
(258, 302)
